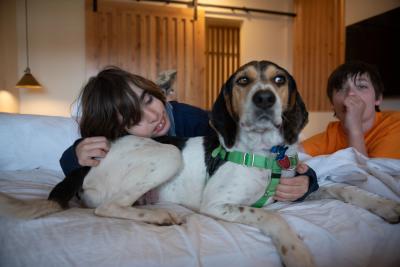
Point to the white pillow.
(34, 141)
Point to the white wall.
(56, 52)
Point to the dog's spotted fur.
(258, 107)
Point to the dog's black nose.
(264, 99)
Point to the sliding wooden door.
(147, 39)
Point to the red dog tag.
(284, 163)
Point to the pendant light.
(27, 81)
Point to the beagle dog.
(257, 118)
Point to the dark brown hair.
(108, 104)
(353, 69)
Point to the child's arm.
(69, 160)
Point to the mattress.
(338, 234)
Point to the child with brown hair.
(355, 91)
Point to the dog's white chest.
(187, 187)
(233, 183)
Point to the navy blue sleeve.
(69, 159)
(312, 186)
(190, 121)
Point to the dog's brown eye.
(243, 80)
(279, 80)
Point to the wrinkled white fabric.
(337, 234)
(377, 175)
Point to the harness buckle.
(246, 158)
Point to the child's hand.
(91, 149)
(355, 107)
(353, 122)
(290, 189)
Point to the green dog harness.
(275, 163)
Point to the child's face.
(361, 88)
(155, 121)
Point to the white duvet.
(337, 234)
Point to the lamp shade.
(28, 81)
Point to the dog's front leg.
(292, 250)
(387, 209)
(119, 205)
(152, 216)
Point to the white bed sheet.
(337, 234)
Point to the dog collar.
(276, 163)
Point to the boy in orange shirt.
(355, 91)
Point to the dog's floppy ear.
(295, 117)
(221, 119)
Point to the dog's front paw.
(167, 218)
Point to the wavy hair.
(353, 69)
(108, 105)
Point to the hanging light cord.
(26, 33)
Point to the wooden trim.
(318, 48)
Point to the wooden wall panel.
(147, 39)
(319, 34)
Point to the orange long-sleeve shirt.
(382, 140)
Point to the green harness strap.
(253, 160)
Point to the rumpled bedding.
(337, 233)
(377, 175)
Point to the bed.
(337, 233)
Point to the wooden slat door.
(146, 40)
(222, 54)
(319, 43)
